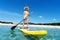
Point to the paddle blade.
(13, 28)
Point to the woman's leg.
(23, 25)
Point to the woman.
(26, 13)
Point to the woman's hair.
(26, 8)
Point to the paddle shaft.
(19, 22)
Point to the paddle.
(12, 28)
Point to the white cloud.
(10, 16)
(54, 19)
(10, 13)
(40, 16)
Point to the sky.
(41, 11)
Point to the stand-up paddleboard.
(34, 33)
(29, 32)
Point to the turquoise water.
(7, 34)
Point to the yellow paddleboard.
(35, 33)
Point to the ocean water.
(7, 34)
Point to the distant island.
(6, 22)
(58, 23)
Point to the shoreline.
(44, 26)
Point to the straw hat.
(26, 8)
